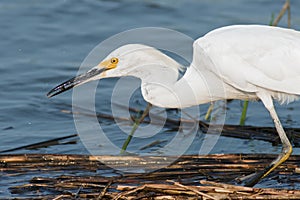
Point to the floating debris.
(51, 176)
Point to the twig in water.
(46, 143)
(102, 194)
(156, 142)
(286, 7)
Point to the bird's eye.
(114, 60)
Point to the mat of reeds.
(50, 176)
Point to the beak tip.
(49, 95)
(53, 92)
(73, 82)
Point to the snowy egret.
(249, 62)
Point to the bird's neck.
(164, 90)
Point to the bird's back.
(251, 57)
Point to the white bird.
(245, 62)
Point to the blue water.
(43, 43)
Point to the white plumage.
(253, 58)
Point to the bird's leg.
(286, 145)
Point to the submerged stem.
(134, 128)
(244, 113)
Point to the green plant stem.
(209, 110)
(134, 128)
(244, 113)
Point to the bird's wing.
(250, 56)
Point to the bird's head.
(125, 60)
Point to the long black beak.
(78, 80)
